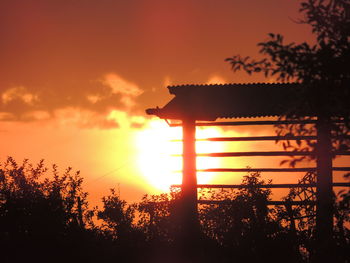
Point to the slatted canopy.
(209, 102)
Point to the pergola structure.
(202, 105)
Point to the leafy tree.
(60, 201)
(46, 217)
(117, 215)
(42, 216)
(120, 229)
(244, 226)
(322, 68)
(159, 217)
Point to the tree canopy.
(45, 215)
(321, 67)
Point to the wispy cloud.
(18, 93)
(88, 106)
(128, 90)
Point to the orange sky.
(77, 75)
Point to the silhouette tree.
(117, 215)
(245, 227)
(45, 217)
(42, 219)
(120, 228)
(323, 68)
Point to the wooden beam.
(272, 153)
(288, 170)
(223, 202)
(245, 123)
(262, 138)
(235, 170)
(239, 186)
(239, 154)
(258, 138)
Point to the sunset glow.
(156, 149)
(148, 131)
(77, 77)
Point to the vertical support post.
(324, 193)
(190, 224)
(189, 176)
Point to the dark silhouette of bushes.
(45, 217)
(245, 227)
(42, 219)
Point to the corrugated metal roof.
(209, 102)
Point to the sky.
(77, 75)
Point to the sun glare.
(156, 149)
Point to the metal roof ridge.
(174, 89)
(234, 84)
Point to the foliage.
(158, 216)
(50, 212)
(117, 216)
(245, 226)
(326, 60)
(247, 209)
(37, 211)
(322, 68)
(22, 194)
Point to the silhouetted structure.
(201, 105)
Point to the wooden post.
(324, 193)
(189, 177)
(190, 225)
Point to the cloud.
(128, 90)
(87, 103)
(6, 116)
(137, 122)
(18, 93)
(37, 115)
(84, 119)
(93, 98)
(100, 123)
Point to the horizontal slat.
(345, 169)
(273, 153)
(258, 138)
(221, 202)
(261, 138)
(312, 169)
(216, 170)
(245, 123)
(238, 154)
(217, 202)
(233, 186)
(342, 152)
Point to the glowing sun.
(156, 149)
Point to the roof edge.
(174, 88)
